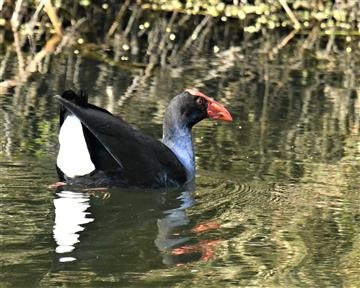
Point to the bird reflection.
(166, 240)
(124, 225)
(70, 214)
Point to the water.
(275, 202)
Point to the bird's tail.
(80, 99)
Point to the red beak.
(215, 110)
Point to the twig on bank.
(310, 40)
(206, 31)
(26, 71)
(196, 32)
(330, 44)
(48, 48)
(291, 15)
(282, 43)
(140, 80)
(14, 26)
(50, 10)
(15, 16)
(165, 39)
(135, 14)
(118, 19)
(3, 64)
(69, 35)
(30, 25)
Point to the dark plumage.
(122, 155)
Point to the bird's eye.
(200, 100)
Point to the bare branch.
(118, 19)
(291, 15)
(50, 10)
(196, 32)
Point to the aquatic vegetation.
(144, 34)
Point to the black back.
(120, 151)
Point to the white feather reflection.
(70, 214)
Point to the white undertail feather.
(74, 157)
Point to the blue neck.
(179, 140)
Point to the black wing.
(116, 146)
